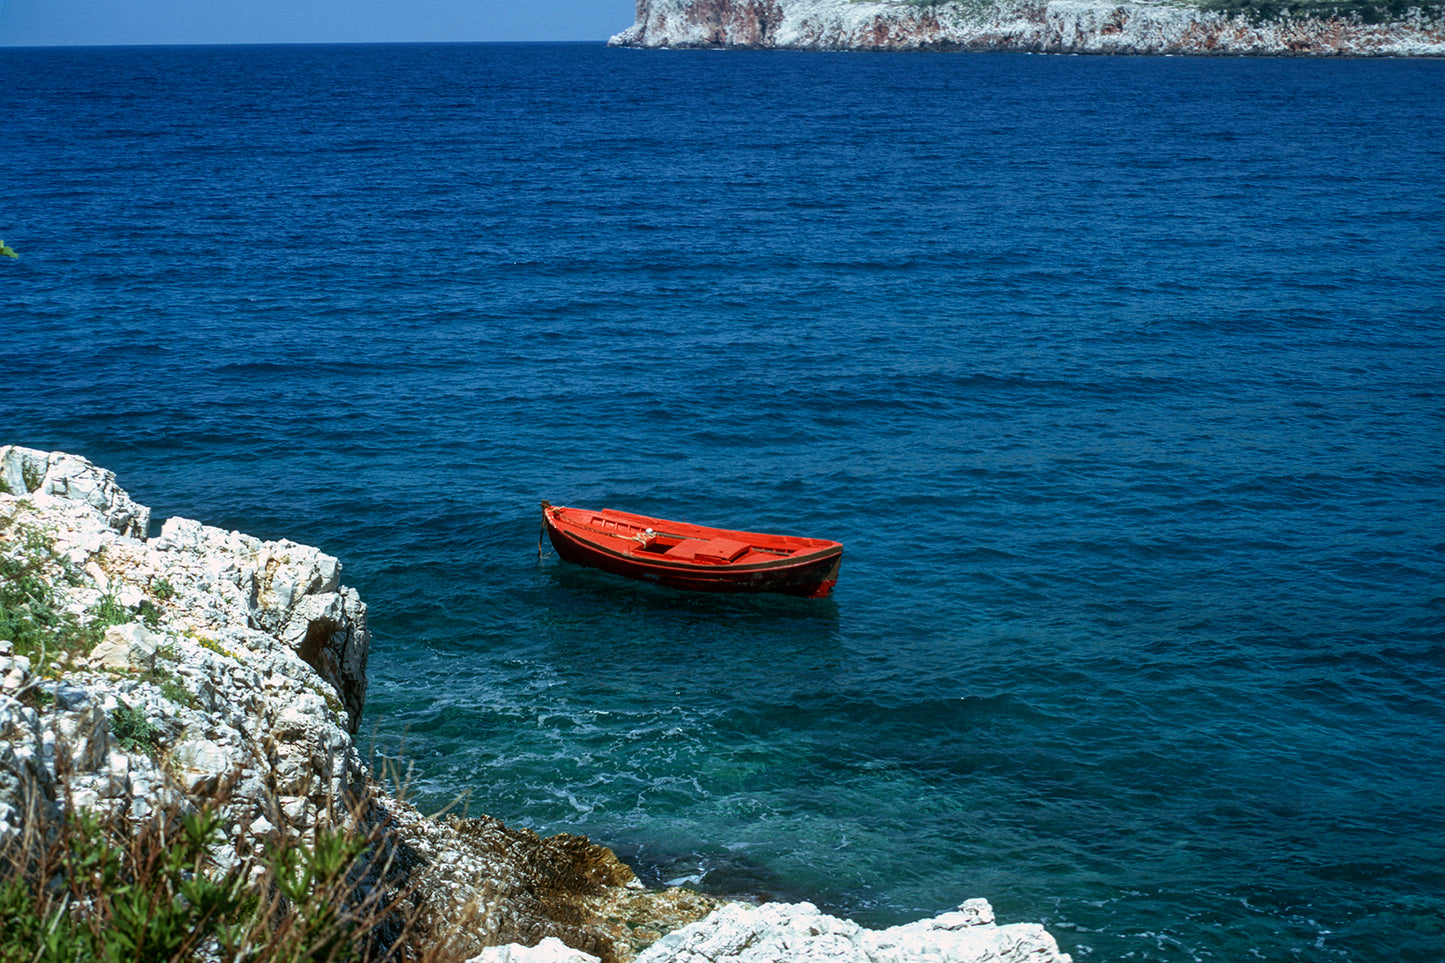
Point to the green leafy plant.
(175, 692)
(31, 614)
(149, 612)
(96, 889)
(109, 611)
(1365, 11)
(132, 730)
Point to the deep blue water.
(1122, 380)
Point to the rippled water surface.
(1121, 379)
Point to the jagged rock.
(1033, 26)
(550, 950)
(286, 592)
(57, 476)
(799, 933)
(127, 646)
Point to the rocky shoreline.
(1026, 26)
(230, 672)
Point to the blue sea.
(1121, 379)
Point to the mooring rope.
(542, 533)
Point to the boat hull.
(693, 558)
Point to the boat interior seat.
(716, 550)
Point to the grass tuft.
(96, 889)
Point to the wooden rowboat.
(693, 557)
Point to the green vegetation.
(30, 615)
(107, 612)
(132, 730)
(206, 642)
(149, 612)
(94, 890)
(173, 690)
(1259, 11)
(1365, 11)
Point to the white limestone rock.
(550, 950)
(286, 592)
(27, 784)
(800, 933)
(51, 477)
(224, 611)
(127, 646)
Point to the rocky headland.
(1038, 26)
(200, 668)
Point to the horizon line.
(285, 43)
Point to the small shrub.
(97, 890)
(35, 541)
(163, 590)
(30, 616)
(37, 697)
(206, 642)
(174, 691)
(132, 730)
(149, 612)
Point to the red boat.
(692, 557)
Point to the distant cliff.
(1247, 27)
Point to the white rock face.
(52, 478)
(550, 950)
(1035, 26)
(799, 933)
(127, 646)
(251, 673)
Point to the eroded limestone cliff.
(1035, 26)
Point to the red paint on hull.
(695, 558)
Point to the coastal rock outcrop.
(200, 668)
(206, 668)
(798, 932)
(1033, 26)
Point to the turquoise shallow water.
(1121, 379)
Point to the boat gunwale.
(662, 561)
(577, 533)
